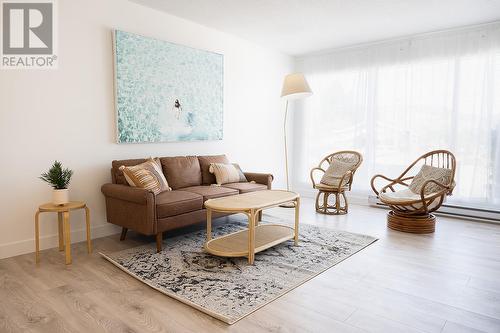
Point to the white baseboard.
(466, 212)
(50, 241)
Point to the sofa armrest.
(127, 193)
(130, 207)
(260, 178)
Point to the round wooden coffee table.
(64, 226)
(247, 242)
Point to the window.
(397, 100)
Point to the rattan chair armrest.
(312, 175)
(402, 180)
(372, 183)
(348, 173)
(452, 187)
(352, 178)
(445, 189)
(397, 181)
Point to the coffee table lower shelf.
(236, 244)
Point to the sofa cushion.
(172, 203)
(117, 174)
(181, 171)
(207, 177)
(246, 187)
(211, 192)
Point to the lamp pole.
(286, 149)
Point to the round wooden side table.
(64, 226)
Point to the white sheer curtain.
(396, 100)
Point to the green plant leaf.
(57, 177)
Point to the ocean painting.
(165, 91)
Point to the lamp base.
(290, 204)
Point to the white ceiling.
(298, 27)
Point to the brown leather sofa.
(191, 182)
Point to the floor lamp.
(295, 87)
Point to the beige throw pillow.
(333, 175)
(147, 175)
(242, 175)
(427, 172)
(226, 173)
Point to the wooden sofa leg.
(124, 234)
(159, 240)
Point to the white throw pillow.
(226, 173)
(333, 175)
(427, 172)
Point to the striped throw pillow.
(147, 175)
(226, 173)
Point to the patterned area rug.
(228, 288)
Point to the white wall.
(68, 114)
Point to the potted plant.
(59, 179)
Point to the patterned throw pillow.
(226, 173)
(147, 175)
(427, 172)
(242, 175)
(334, 173)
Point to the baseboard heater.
(465, 212)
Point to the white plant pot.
(60, 197)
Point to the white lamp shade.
(295, 86)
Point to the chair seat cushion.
(331, 188)
(246, 187)
(171, 203)
(405, 198)
(211, 192)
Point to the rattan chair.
(343, 183)
(412, 211)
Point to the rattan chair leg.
(346, 205)
(335, 208)
(325, 202)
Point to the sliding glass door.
(397, 100)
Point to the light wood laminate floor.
(445, 282)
